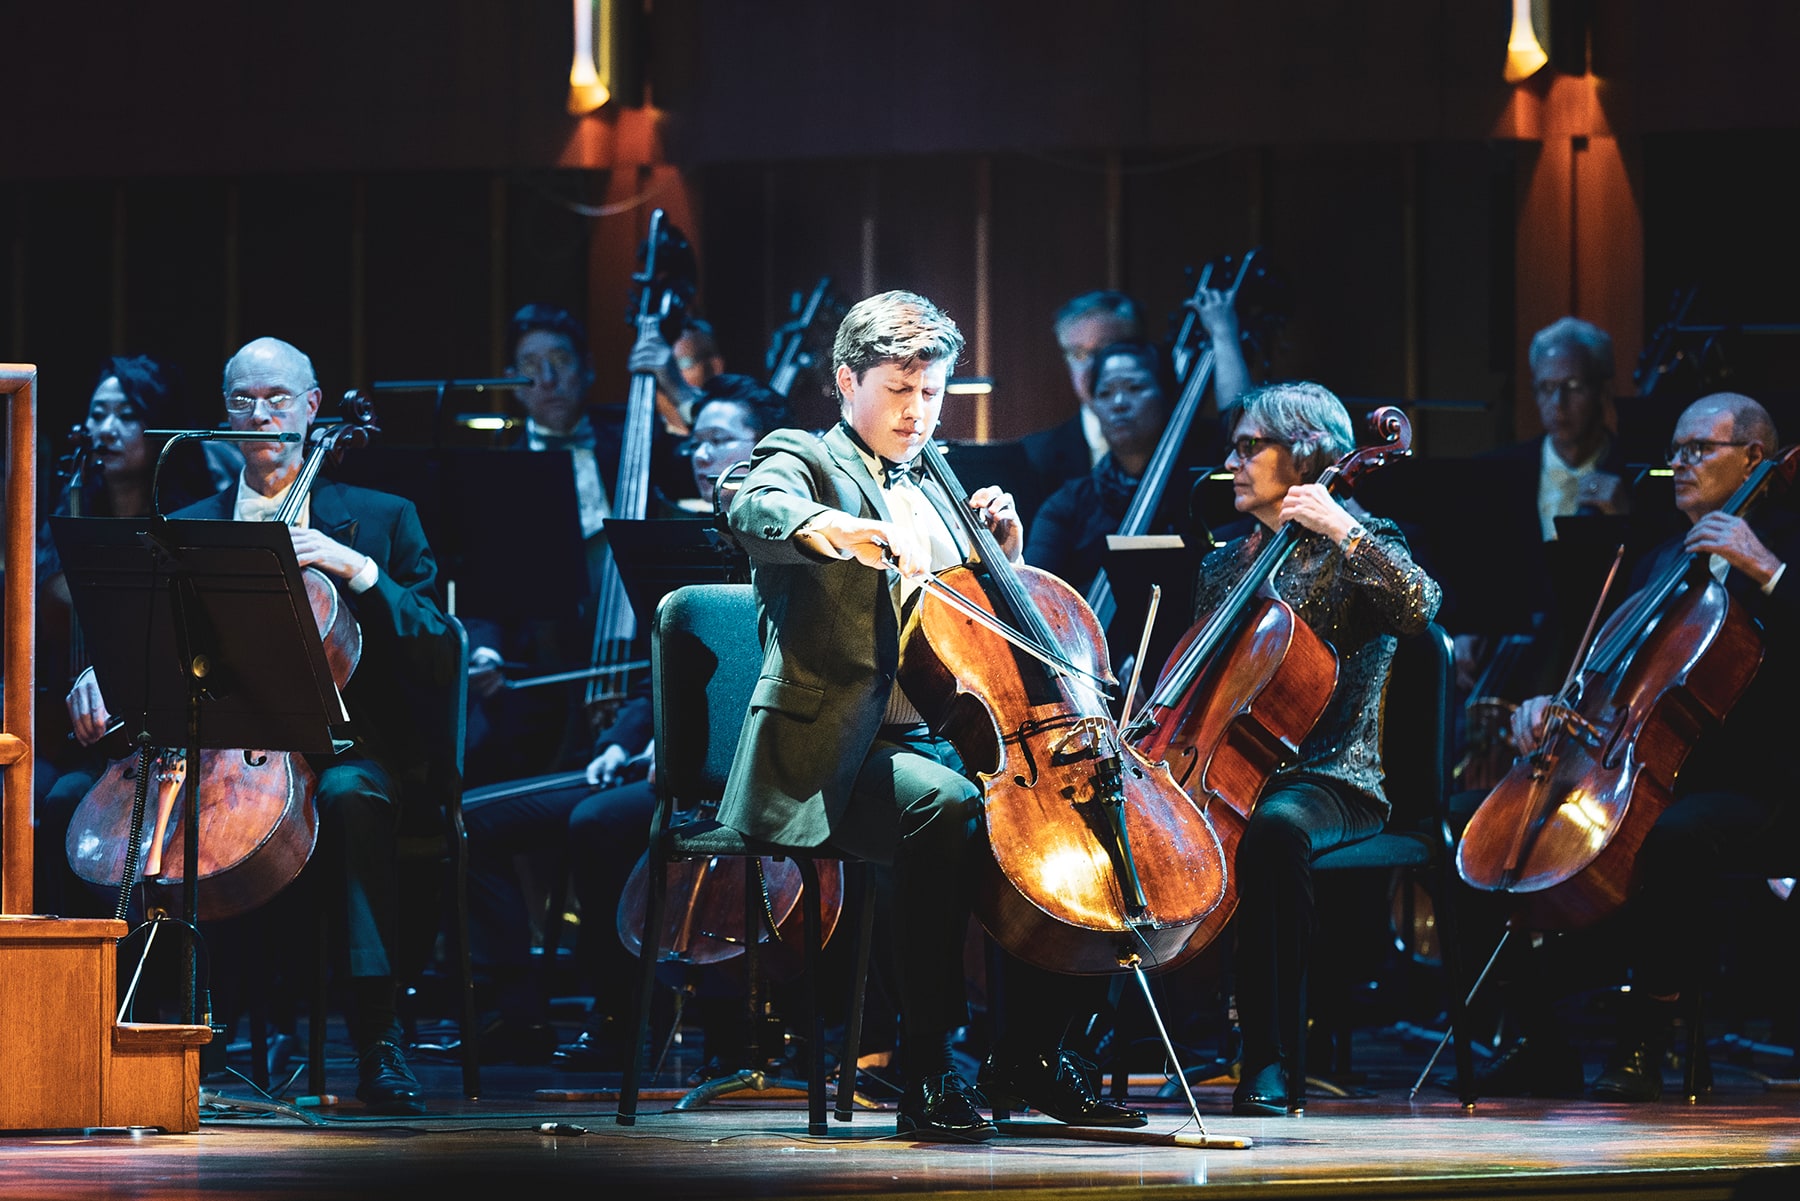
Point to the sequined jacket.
(1358, 604)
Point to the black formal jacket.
(1752, 751)
(395, 695)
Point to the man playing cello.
(1733, 809)
(839, 535)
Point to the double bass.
(1147, 500)
(1096, 858)
(1562, 828)
(664, 285)
(1247, 683)
(259, 823)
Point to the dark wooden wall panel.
(175, 258)
(68, 300)
(1049, 244)
(295, 278)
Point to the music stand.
(505, 525)
(1133, 565)
(657, 555)
(201, 633)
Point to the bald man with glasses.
(373, 548)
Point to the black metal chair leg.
(648, 949)
(865, 933)
(812, 899)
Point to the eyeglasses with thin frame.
(1552, 389)
(281, 402)
(1696, 449)
(1246, 445)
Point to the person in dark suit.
(515, 732)
(1574, 468)
(840, 536)
(1088, 324)
(372, 546)
(1733, 809)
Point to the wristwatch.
(1352, 536)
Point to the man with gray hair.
(840, 534)
(373, 549)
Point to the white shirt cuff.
(1769, 588)
(366, 576)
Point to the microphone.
(225, 435)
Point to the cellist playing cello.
(1733, 807)
(840, 535)
(373, 548)
(1351, 579)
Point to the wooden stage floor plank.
(1742, 1143)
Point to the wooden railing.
(18, 383)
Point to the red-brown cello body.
(1096, 856)
(1562, 829)
(1246, 685)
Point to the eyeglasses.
(1552, 389)
(1695, 449)
(1246, 445)
(281, 402)
(544, 366)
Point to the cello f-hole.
(256, 762)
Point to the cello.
(1562, 828)
(1247, 683)
(1096, 859)
(260, 826)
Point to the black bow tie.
(893, 473)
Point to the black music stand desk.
(202, 637)
(657, 555)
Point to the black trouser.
(1292, 825)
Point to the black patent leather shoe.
(1263, 1094)
(1632, 1074)
(942, 1108)
(1061, 1085)
(1533, 1068)
(385, 1084)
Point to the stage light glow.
(1525, 55)
(587, 91)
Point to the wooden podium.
(64, 1062)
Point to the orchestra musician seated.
(600, 818)
(373, 548)
(1733, 810)
(1574, 468)
(1352, 579)
(833, 753)
(133, 393)
(518, 732)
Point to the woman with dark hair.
(118, 479)
(1134, 389)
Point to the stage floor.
(1376, 1142)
